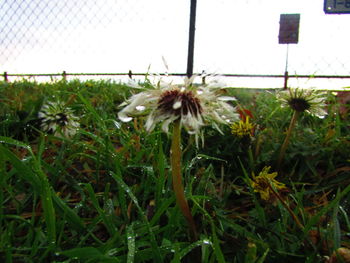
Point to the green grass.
(105, 195)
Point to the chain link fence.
(238, 39)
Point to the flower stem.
(177, 178)
(286, 140)
(295, 218)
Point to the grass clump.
(104, 193)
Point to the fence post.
(285, 86)
(189, 72)
(6, 77)
(64, 75)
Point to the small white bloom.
(58, 119)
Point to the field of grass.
(104, 194)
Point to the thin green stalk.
(293, 215)
(286, 140)
(177, 178)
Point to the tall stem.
(286, 140)
(177, 178)
(295, 218)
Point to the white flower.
(58, 119)
(310, 101)
(194, 105)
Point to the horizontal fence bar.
(130, 74)
(88, 74)
(289, 76)
(203, 76)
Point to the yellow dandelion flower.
(263, 183)
(243, 128)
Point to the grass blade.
(38, 180)
(164, 206)
(325, 209)
(74, 220)
(23, 170)
(155, 248)
(215, 240)
(161, 165)
(106, 220)
(130, 235)
(88, 254)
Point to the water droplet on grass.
(226, 98)
(124, 118)
(207, 242)
(140, 108)
(116, 124)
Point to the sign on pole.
(337, 6)
(288, 34)
(289, 29)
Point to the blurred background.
(238, 38)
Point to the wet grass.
(105, 195)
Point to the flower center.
(179, 103)
(299, 104)
(262, 183)
(242, 128)
(62, 119)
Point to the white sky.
(232, 36)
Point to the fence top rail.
(130, 74)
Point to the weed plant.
(105, 194)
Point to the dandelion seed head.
(299, 104)
(176, 102)
(303, 100)
(193, 105)
(58, 119)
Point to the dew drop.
(226, 98)
(206, 242)
(140, 108)
(124, 118)
(177, 105)
(116, 124)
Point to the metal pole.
(285, 86)
(5, 77)
(189, 72)
(64, 75)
